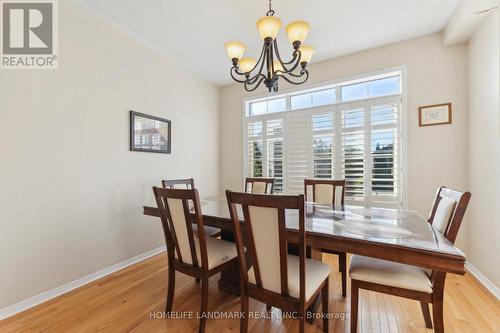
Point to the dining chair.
(182, 183)
(195, 255)
(269, 274)
(407, 281)
(259, 185)
(188, 183)
(329, 192)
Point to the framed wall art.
(149, 133)
(438, 114)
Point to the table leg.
(230, 277)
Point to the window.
(311, 99)
(301, 101)
(347, 131)
(268, 106)
(265, 150)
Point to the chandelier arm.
(255, 78)
(248, 79)
(233, 70)
(301, 73)
(305, 75)
(246, 85)
(294, 55)
(297, 62)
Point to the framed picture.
(437, 114)
(149, 134)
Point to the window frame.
(400, 98)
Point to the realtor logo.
(29, 34)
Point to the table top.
(375, 225)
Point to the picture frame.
(437, 114)
(150, 134)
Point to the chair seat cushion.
(316, 273)
(389, 273)
(218, 252)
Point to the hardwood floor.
(129, 300)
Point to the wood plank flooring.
(132, 299)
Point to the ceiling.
(194, 31)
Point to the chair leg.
(324, 302)
(204, 305)
(437, 315)
(354, 306)
(268, 307)
(244, 313)
(342, 269)
(170, 288)
(427, 315)
(302, 318)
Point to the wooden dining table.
(396, 235)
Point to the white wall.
(484, 149)
(71, 192)
(435, 74)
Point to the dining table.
(396, 235)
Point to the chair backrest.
(259, 185)
(185, 183)
(265, 228)
(448, 211)
(325, 191)
(182, 245)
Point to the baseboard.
(43, 297)
(483, 280)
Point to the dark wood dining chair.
(329, 192)
(188, 183)
(259, 185)
(407, 281)
(270, 274)
(199, 257)
(182, 183)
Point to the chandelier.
(269, 68)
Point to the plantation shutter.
(275, 153)
(384, 150)
(353, 151)
(297, 148)
(323, 144)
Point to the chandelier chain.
(270, 12)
